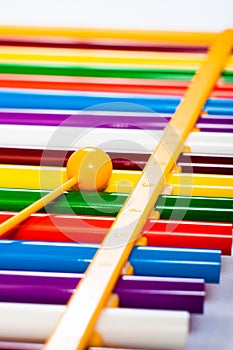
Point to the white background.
(197, 15)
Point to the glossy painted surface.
(213, 123)
(136, 86)
(133, 291)
(108, 204)
(206, 163)
(5, 345)
(62, 70)
(146, 261)
(110, 140)
(92, 229)
(34, 99)
(189, 162)
(48, 178)
(162, 328)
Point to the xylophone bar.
(103, 71)
(133, 291)
(170, 207)
(126, 327)
(136, 86)
(97, 35)
(48, 178)
(206, 163)
(149, 121)
(188, 162)
(135, 140)
(92, 229)
(121, 58)
(103, 46)
(63, 100)
(146, 261)
(6, 345)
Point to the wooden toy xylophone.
(125, 266)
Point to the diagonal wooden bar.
(76, 326)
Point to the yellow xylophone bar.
(48, 178)
(97, 57)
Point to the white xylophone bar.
(131, 328)
(114, 140)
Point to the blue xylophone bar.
(146, 261)
(104, 102)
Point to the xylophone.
(123, 267)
